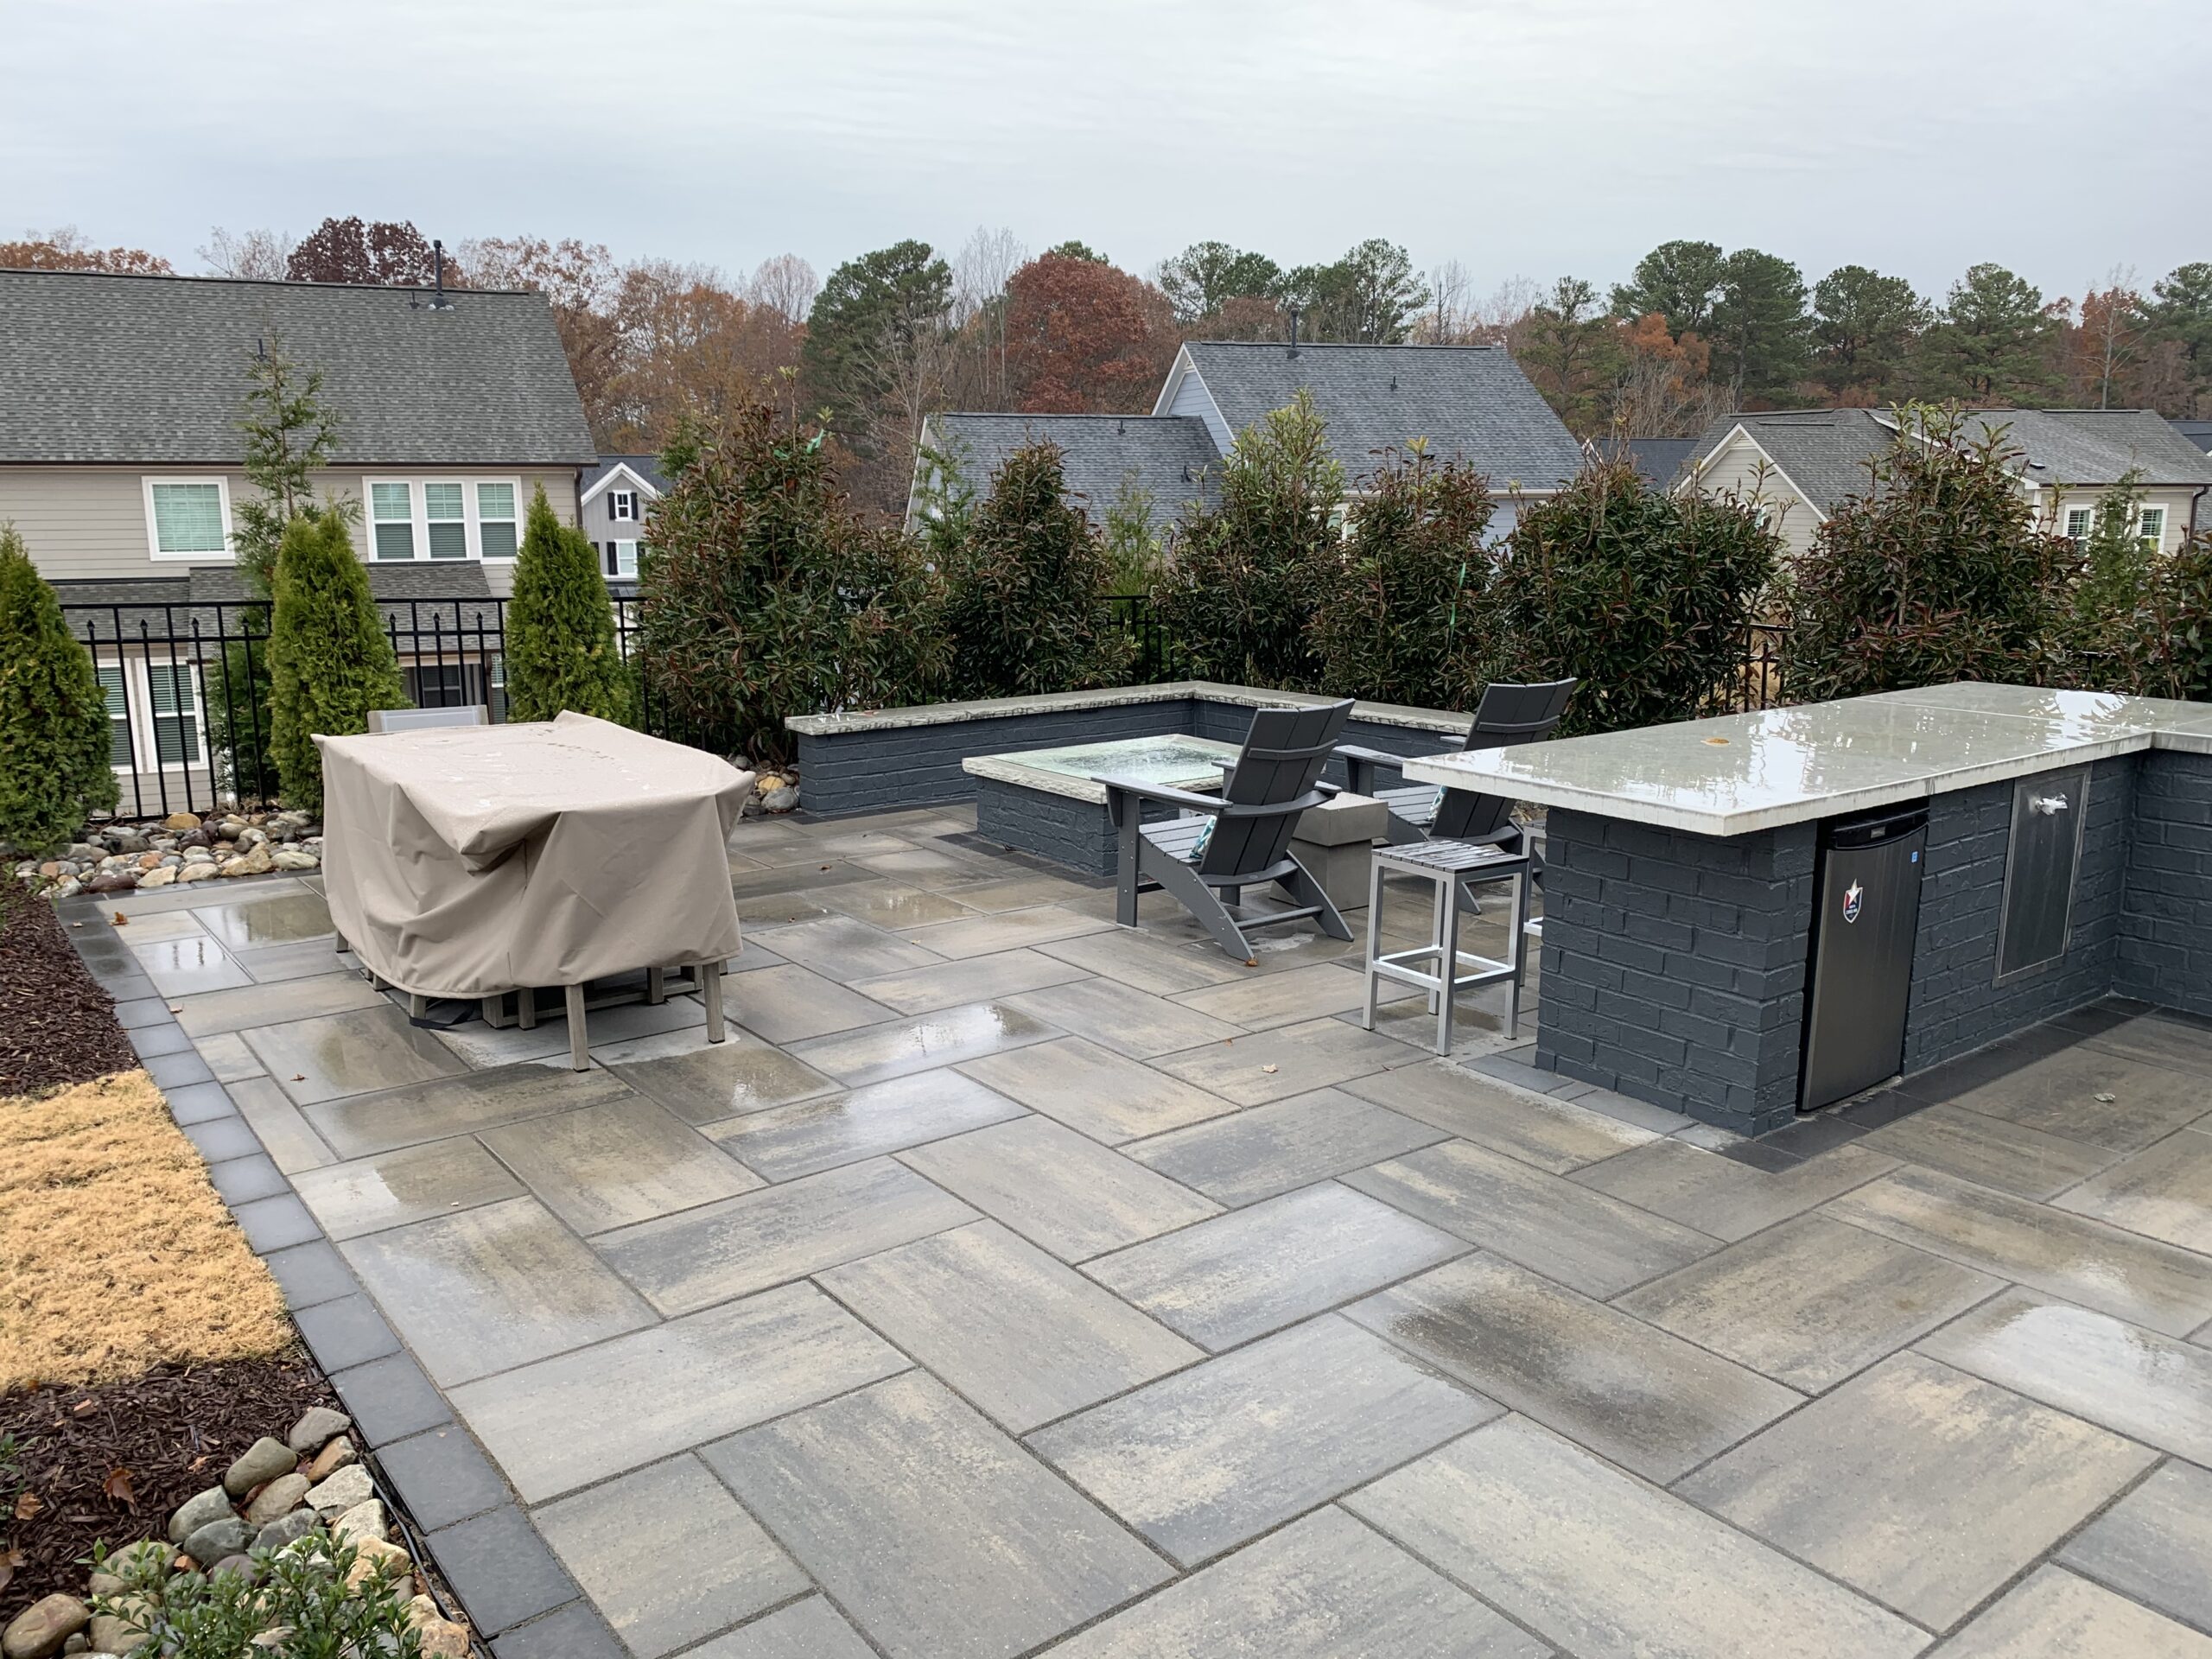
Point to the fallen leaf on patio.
(29, 1506)
(2107, 1100)
(299, 1076)
(174, 1008)
(120, 1490)
(121, 921)
(1267, 1068)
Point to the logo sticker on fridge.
(1853, 896)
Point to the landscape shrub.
(1403, 621)
(239, 721)
(1247, 569)
(55, 769)
(1644, 595)
(560, 647)
(329, 662)
(2165, 648)
(1935, 572)
(766, 595)
(295, 1603)
(1132, 548)
(1026, 588)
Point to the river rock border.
(124, 855)
(434, 1478)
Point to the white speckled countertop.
(1737, 773)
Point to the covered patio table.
(471, 861)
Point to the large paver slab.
(413, 1183)
(1121, 1018)
(789, 1004)
(2084, 1261)
(975, 979)
(577, 1418)
(843, 1128)
(938, 1535)
(608, 1166)
(845, 949)
(461, 1105)
(1720, 1196)
(1286, 1060)
(2164, 1191)
(1811, 1301)
(893, 904)
(1649, 1400)
(1552, 1135)
(1265, 1000)
(2155, 1545)
(2009, 1156)
(1058, 1188)
(283, 1130)
(707, 1083)
(2161, 1038)
(1924, 1487)
(1101, 1094)
(613, 1032)
(758, 1239)
(944, 1037)
(1269, 1149)
(2137, 1382)
(1201, 1461)
(986, 935)
(270, 1004)
(1607, 1567)
(1272, 1264)
(1324, 1587)
(805, 1629)
(667, 1555)
(1583, 1239)
(278, 918)
(2054, 1615)
(2087, 1094)
(1137, 958)
(190, 963)
(360, 1053)
(1022, 1335)
(492, 1288)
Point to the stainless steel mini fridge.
(1867, 909)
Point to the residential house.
(1802, 464)
(1659, 461)
(611, 498)
(2197, 432)
(1468, 403)
(122, 464)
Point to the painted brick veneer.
(2165, 926)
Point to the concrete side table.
(1335, 842)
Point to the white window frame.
(140, 717)
(476, 519)
(228, 555)
(2089, 517)
(622, 507)
(619, 574)
(418, 504)
(2156, 537)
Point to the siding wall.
(1192, 398)
(2165, 924)
(1735, 467)
(89, 522)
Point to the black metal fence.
(187, 685)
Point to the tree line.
(901, 332)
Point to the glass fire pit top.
(1179, 762)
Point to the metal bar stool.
(1440, 968)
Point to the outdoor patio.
(1010, 1282)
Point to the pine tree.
(560, 647)
(329, 662)
(53, 721)
(289, 433)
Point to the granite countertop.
(1073, 771)
(1442, 720)
(1737, 773)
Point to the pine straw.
(115, 1253)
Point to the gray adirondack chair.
(1506, 715)
(1241, 838)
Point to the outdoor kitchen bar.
(1759, 914)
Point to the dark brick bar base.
(1676, 964)
(1079, 834)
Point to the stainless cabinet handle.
(2049, 805)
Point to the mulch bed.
(57, 1026)
(114, 1461)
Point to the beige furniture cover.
(466, 862)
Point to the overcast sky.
(1519, 136)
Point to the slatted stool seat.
(1440, 968)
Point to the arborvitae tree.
(1936, 573)
(329, 662)
(560, 646)
(1409, 608)
(1025, 593)
(1247, 568)
(54, 769)
(1644, 595)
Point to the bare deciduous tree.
(785, 284)
(257, 256)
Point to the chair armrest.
(1361, 765)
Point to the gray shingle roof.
(151, 370)
(1660, 459)
(1168, 453)
(1471, 402)
(645, 466)
(1825, 451)
(425, 601)
(2197, 432)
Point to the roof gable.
(1471, 403)
(1165, 455)
(640, 472)
(152, 371)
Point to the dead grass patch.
(115, 1253)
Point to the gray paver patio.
(1010, 1283)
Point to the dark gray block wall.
(1956, 1004)
(1674, 966)
(1079, 834)
(2165, 926)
